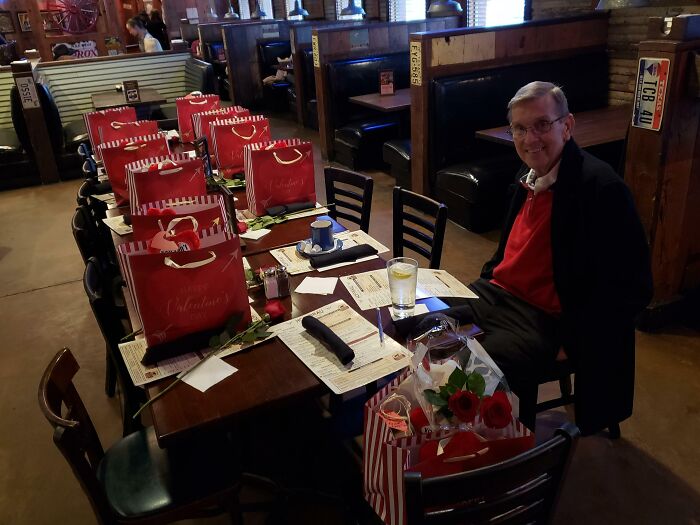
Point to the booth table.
(400, 100)
(114, 98)
(592, 128)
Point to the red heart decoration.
(187, 237)
(157, 212)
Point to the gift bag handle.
(188, 266)
(132, 146)
(195, 94)
(176, 221)
(244, 137)
(170, 171)
(198, 103)
(118, 125)
(287, 162)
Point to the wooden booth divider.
(211, 33)
(337, 43)
(241, 45)
(454, 52)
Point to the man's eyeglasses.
(539, 128)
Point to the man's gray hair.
(538, 89)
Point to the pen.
(379, 326)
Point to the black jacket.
(602, 274)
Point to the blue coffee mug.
(322, 234)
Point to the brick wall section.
(627, 28)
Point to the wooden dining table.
(114, 98)
(591, 128)
(400, 100)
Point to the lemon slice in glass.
(402, 271)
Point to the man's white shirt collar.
(538, 184)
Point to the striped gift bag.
(117, 154)
(94, 120)
(125, 130)
(385, 458)
(188, 105)
(278, 172)
(231, 135)
(202, 119)
(164, 177)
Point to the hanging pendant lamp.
(298, 10)
(352, 9)
(258, 12)
(440, 8)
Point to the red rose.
(242, 227)
(464, 404)
(496, 411)
(418, 419)
(275, 309)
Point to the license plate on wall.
(650, 93)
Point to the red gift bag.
(125, 130)
(385, 458)
(94, 120)
(188, 105)
(184, 292)
(231, 135)
(164, 177)
(153, 217)
(117, 154)
(201, 121)
(278, 172)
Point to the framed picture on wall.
(24, 23)
(7, 23)
(51, 20)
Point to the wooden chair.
(135, 481)
(432, 234)
(521, 490)
(114, 325)
(86, 234)
(359, 203)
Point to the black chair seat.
(354, 134)
(397, 154)
(75, 133)
(476, 192)
(140, 478)
(358, 144)
(10, 147)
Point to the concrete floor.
(650, 476)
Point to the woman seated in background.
(147, 43)
(157, 29)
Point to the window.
(289, 5)
(244, 9)
(486, 13)
(266, 6)
(404, 10)
(342, 4)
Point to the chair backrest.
(74, 434)
(428, 238)
(268, 53)
(350, 201)
(521, 490)
(199, 76)
(51, 116)
(85, 233)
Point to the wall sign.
(359, 39)
(84, 49)
(314, 48)
(131, 91)
(650, 93)
(27, 92)
(416, 66)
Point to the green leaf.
(434, 398)
(248, 337)
(262, 333)
(447, 390)
(214, 341)
(446, 412)
(457, 378)
(224, 336)
(476, 383)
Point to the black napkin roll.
(127, 219)
(292, 207)
(463, 314)
(340, 256)
(183, 345)
(328, 338)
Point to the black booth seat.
(275, 96)
(74, 133)
(17, 168)
(476, 193)
(360, 132)
(10, 147)
(397, 154)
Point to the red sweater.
(526, 268)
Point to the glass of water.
(403, 277)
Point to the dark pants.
(521, 338)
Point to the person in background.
(147, 43)
(572, 268)
(63, 52)
(157, 29)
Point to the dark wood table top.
(114, 98)
(400, 100)
(592, 128)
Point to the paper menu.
(371, 289)
(295, 263)
(117, 225)
(133, 352)
(372, 361)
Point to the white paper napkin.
(254, 235)
(206, 375)
(317, 285)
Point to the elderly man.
(572, 267)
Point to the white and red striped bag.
(278, 172)
(117, 154)
(386, 458)
(201, 120)
(94, 120)
(188, 105)
(164, 177)
(231, 135)
(126, 130)
(205, 210)
(181, 293)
